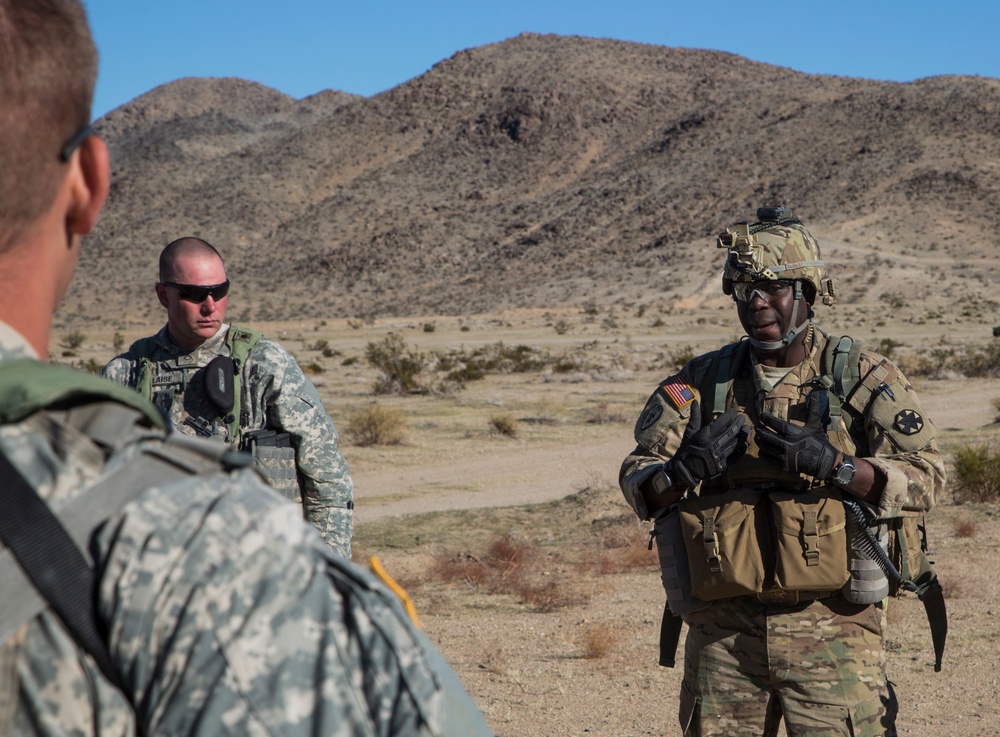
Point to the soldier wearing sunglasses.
(266, 405)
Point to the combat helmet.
(777, 246)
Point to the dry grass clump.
(504, 423)
(604, 414)
(377, 425)
(965, 527)
(623, 548)
(597, 639)
(509, 567)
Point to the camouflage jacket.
(900, 438)
(224, 613)
(277, 396)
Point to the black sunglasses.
(74, 142)
(198, 294)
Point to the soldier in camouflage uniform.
(219, 610)
(739, 450)
(274, 393)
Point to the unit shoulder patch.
(908, 422)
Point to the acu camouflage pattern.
(824, 657)
(224, 613)
(277, 396)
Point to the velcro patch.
(679, 392)
(908, 422)
(654, 411)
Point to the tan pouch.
(810, 540)
(723, 538)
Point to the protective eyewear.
(66, 153)
(197, 293)
(769, 290)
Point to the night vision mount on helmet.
(776, 247)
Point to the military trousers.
(820, 665)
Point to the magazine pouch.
(725, 543)
(674, 571)
(274, 459)
(810, 540)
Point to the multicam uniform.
(819, 660)
(224, 612)
(275, 395)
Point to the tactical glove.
(798, 449)
(706, 452)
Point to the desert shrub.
(118, 342)
(73, 339)
(377, 425)
(984, 362)
(682, 355)
(887, 347)
(312, 368)
(977, 474)
(429, 327)
(504, 424)
(398, 365)
(561, 327)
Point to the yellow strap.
(378, 570)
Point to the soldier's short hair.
(181, 248)
(48, 68)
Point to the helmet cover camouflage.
(776, 247)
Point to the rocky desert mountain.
(545, 171)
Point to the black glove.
(705, 452)
(800, 449)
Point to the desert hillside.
(547, 172)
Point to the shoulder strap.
(141, 351)
(240, 341)
(723, 371)
(27, 385)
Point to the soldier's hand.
(705, 452)
(804, 449)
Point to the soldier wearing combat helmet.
(784, 473)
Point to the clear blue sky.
(365, 46)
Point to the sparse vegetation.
(73, 340)
(377, 425)
(399, 366)
(504, 423)
(977, 474)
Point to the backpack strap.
(240, 341)
(46, 561)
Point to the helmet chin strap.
(777, 345)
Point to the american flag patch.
(681, 393)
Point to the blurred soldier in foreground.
(785, 473)
(230, 383)
(138, 593)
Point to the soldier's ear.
(161, 294)
(90, 177)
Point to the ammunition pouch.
(723, 537)
(274, 459)
(674, 570)
(777, 546)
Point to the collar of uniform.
(797, 375)
(14, 345)
(211, 345)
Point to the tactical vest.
(176, 374)
(879, 559)
(273, 453)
